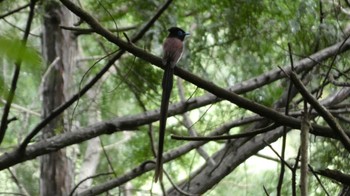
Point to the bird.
(172, 52)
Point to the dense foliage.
(231, 42)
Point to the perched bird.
(172, 52)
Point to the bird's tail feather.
(167, 85)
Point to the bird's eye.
(179, 33)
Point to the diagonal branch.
(327, 116)
(189, 124)
(83, 31)
(82, 134)
(169, 156)
(92, 82)
(4, 120)
(15, 10)
(248, 85)
(209, 86)
(245, 86)
(335, 175)
(57, 111)
(55, 143)
(240, 88)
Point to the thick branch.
(243, 87)
(248, 85)
(108, 127)
(68, 103)
(92, 82)
(209, 86)
(327, 116)
(82, 134)
(171, 155)
(228, 158)
(335, 175)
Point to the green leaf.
(13, 50)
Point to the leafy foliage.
(230, 42)
(13, 50)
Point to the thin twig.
(284, 136)
(68, 103)
(107, 157)
(4, 120)
(318, 180)
(176, 187)
(294, 174)
(15, 10)
(200, 82)
(99, 75)
(265, 191)
(17, 182)
(188, 123)
(279, 156)
(324, 82)
(327, 116)
(87, 178)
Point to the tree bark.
(56, 171)
(231, 156)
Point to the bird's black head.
(177, 32)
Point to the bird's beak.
(187, 34)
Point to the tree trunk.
(59, 46)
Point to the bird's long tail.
(167, 85)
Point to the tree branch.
(248, 85)
(15, 10)
(304, 145)
(4, 120)
(209, 86)
(93, 81)
(335, 175)
(84, 31)
(327, 116)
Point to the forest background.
(260, 104)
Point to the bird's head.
(177, 32)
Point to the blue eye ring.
(179, 33)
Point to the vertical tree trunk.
(56, 168)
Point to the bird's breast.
(172, 51)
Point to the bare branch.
(304, 143)
(93, 81)
(318, 180)
(327, 116)
(189, 124)
(335, 175)
(84, 31)
(15, 10)
(4, 120)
